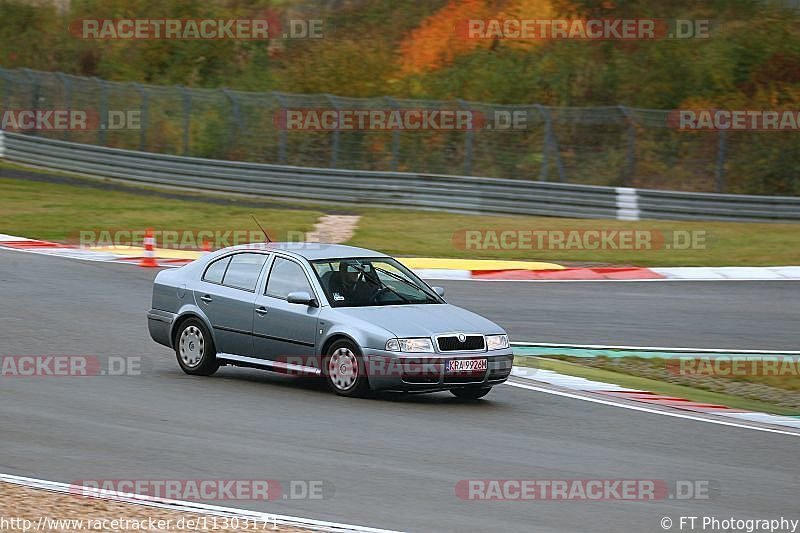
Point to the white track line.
(523, 344)
(189, 507)
(648, 410)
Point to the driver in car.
(349, 284)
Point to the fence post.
(101, 132)
(186, 97)
(468, 140)
(282, 133)
(67, 83)
(630, 160)
(335, 135)
(544, 170)
(34, 96)
(551, 145)
(144, 112)
(6, 89)
(722, 152)
(395, 137)
(236, 114)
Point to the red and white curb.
(778, 273)
(12, 242)
(268, 519)
(614, 392)
(731, 273)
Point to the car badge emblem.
(462, 337)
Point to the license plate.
(467, 365)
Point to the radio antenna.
(266, 235)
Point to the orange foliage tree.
(442, 37)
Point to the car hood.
(424, 320)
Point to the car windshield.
(363, 282)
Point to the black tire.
(193, 343)
(470, 393)
(338, 382)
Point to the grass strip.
(660, 387)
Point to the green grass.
(424, 233)
(660, 387)
(60, 212)
(55, 211)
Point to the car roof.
(312, 250)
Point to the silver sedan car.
(356, 318)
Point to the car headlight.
(496, 342)
(409, 345)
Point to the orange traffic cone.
(206, 246)
(149, 259)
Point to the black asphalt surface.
(390, 462)
(738, 315)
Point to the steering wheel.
(379, 293)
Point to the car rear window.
(216, 270)
(243, 271)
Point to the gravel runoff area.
(334, 229)
(27, 509)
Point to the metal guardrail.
(450, 193)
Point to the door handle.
(261, 311)
(206, 298)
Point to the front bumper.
(159, 324)
(422, 372)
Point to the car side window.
(285, 277)
(216, 270)
(243, 271)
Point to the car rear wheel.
(343, 369)
(470, 393)
(195, 349)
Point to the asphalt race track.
(737, 315)
(391, 462)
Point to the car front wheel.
(343, 369)
(195, 349)
(470, 393)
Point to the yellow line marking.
(160, 253)
(476, 264)
(410, 262)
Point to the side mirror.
(439, 291)
(301, 297)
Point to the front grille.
(450, 343)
